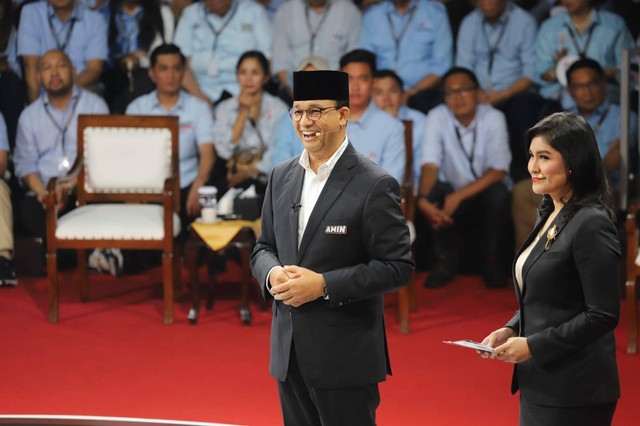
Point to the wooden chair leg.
(167, 278)
(403, 310)
(413, 294)
(52, 268)
(632, 308)
(81, 256)
(245, 310)
(191, 254)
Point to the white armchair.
(128, 196)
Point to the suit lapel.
(337, 181)
(293, 187)
(539, 248)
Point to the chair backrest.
(126, 158)
(408, 197)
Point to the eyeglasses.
(460, 91)
(591, 84)
(314, 114)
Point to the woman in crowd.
(244, 124)
(566, 279)
(136, 27)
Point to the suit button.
(340, 303)
(289, 312)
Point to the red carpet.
(113, 357)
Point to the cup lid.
(207, 190)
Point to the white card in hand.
(470, 344)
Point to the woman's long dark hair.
(150, 24)
(6, 24)
(574, 139)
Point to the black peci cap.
(322, 84)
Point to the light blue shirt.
(128, 30)
(246, 26)
(196, 127)
(336, 30)
(605, 122)
(419, 120)
(4, 139)
(610, 37)
(87, 41)
(271, 109)
(425, 47)
(39, 141)
(376, 134)
(512, 38)
(442, 147)
(11, 53)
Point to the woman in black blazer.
(566, 280)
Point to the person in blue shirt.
(582, 31)
(68, 26)
(497, 41)
(586, 82)
(413, 38)
(387, 95)
(46, 140)
(464, 181)
(196, 150)
(7, 270)
(243, 131)
(372, 132)
(136, 27)
(326, 28)
(213, 35)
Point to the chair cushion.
(115, 222)
(142, 157)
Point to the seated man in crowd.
(197, 153)
(46, 140)
(66, 25)
(497, 40)
(7, 270)
(587, 84)
(413, 38)
(327, 28)
(464, 179)
(213, 35)
(372, 132)
(387, 95)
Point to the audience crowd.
(471, 75)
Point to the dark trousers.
(592, 415)
(487, 212)
(303, 405)
(424, 100)
(12, 102)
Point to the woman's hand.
(515, 350)
(496, 338)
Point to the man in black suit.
(333, 241)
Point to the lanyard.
(55, 35)
(215, 32)
(581, 52)
(62, 130)
(601, 119)
(398, 37)
(313, 32)
(493, 49)
(473, 148)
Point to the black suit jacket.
(340, 342)
(569, 307)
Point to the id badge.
(212, 67)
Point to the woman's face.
(251, 76)
(549, 174)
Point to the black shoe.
(494, 275)
(7, 273)
(439, 276)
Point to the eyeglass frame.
(293, 111)
(460, 91)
